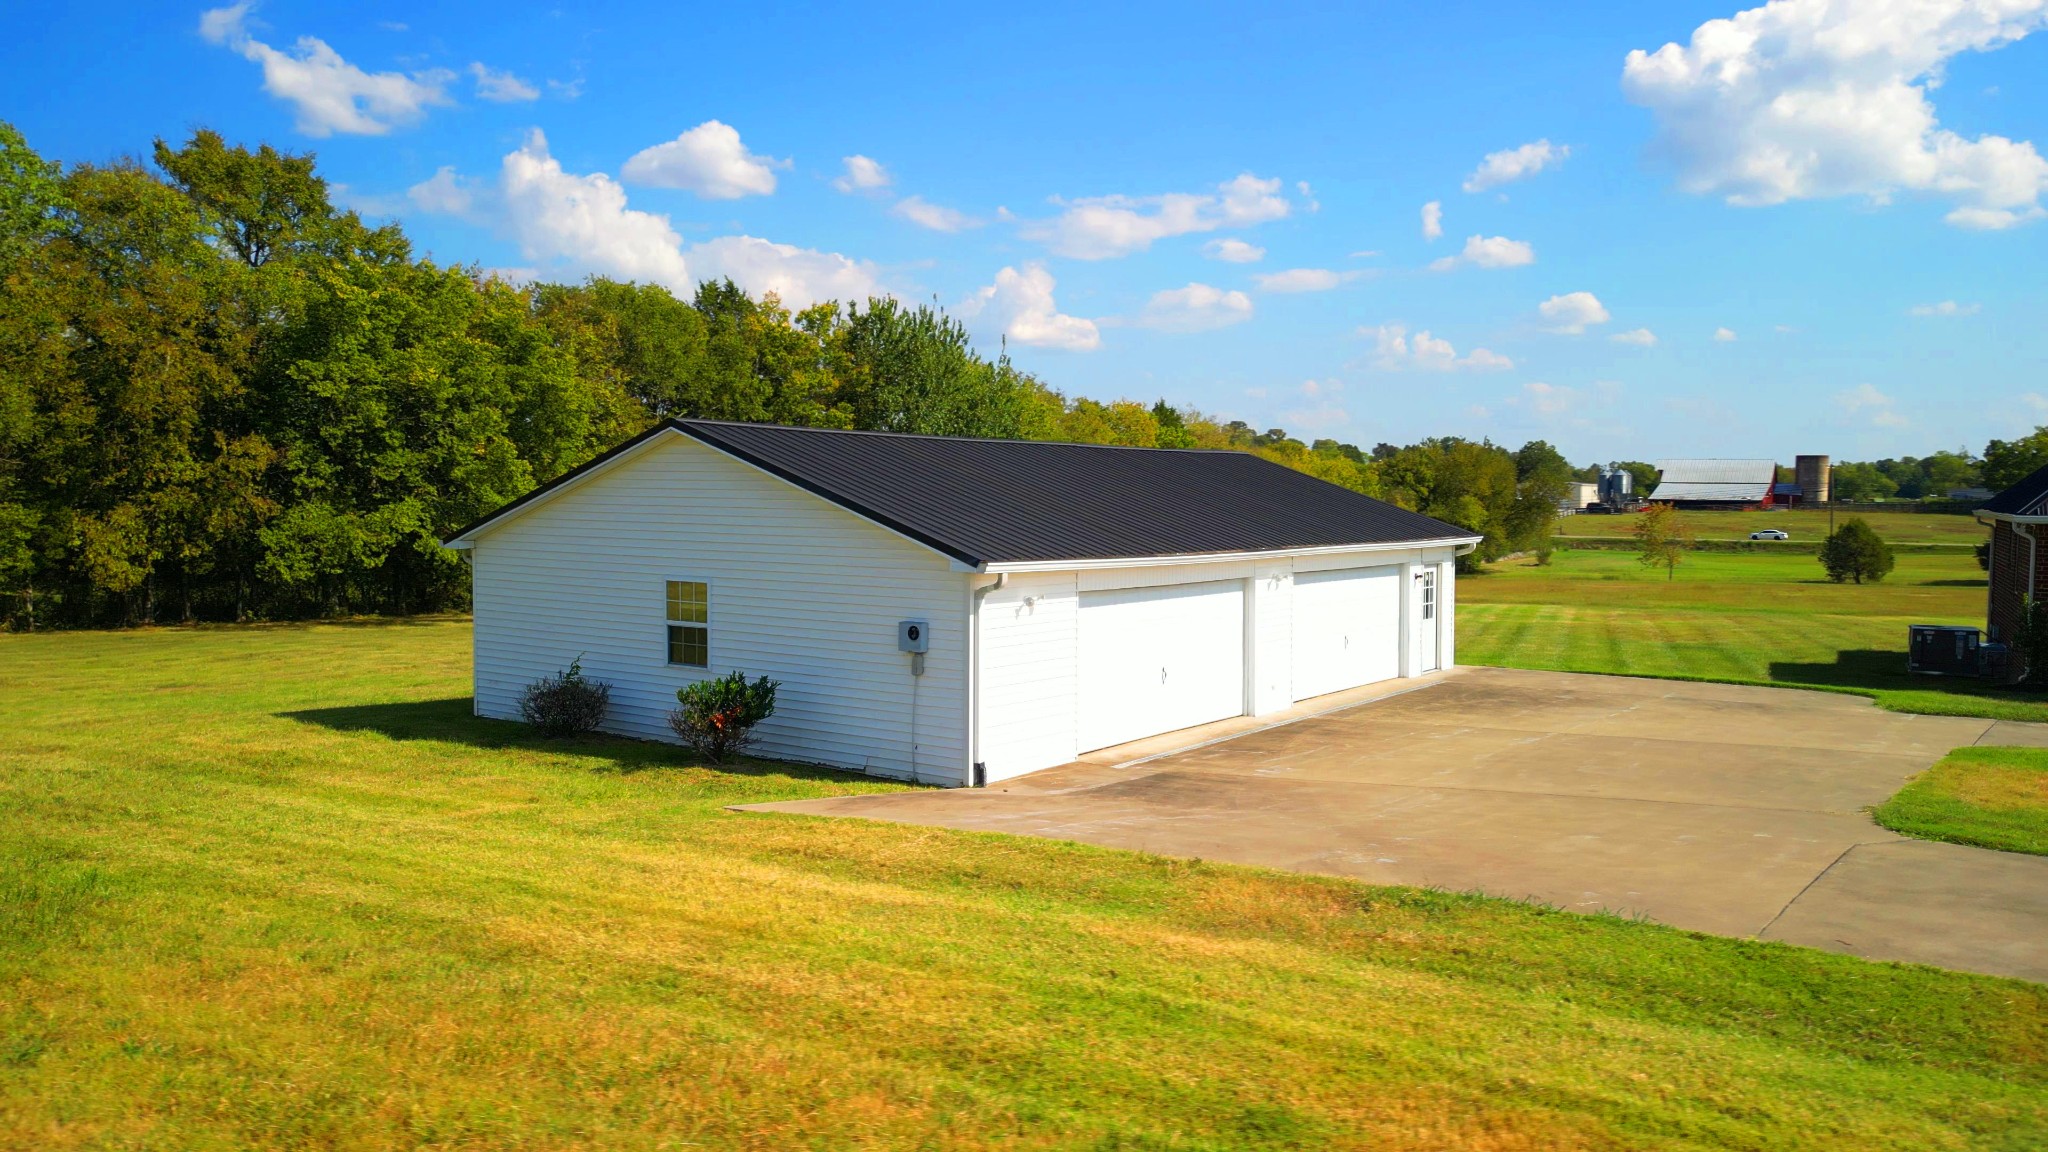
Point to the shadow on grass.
(452, 721)
(1885, 671)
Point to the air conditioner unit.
(1944, 650)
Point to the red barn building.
(2018, 518)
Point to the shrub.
(1856, 552)
(565, 705)
(717, 717)
(1984, 555)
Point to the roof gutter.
(1466, 543)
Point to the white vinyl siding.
(1347, 629)
(1160, 659)
(801, 590)
(1029, 694)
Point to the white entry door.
(1347, 629)
(1158, 659)
(1426, 605)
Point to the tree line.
(223, 397)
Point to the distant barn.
(1716, 483)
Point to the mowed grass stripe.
(278, 889)
(1749, 618)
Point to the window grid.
(689, 619)
(1429, 595)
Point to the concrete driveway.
(1719, 808)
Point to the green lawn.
(1745, 617)
(276, 888)
(1990, 797)
(1897, 527)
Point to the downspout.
(2033, 555)
(977, 771)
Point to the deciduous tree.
(1663, 538)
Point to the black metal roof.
(1012, 501)
(2023, 498)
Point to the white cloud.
(1488, 252)
(860, 174)
(1102, 227)
(708, 160)
(1020, 305)
(926, 214)
(1302, 280)
(1945, 308)
(1573, 312)
(1195, 308)
(582, 223)
(501, 87)
(1433, 220)
(223, 25)
(1865, 402)
(800, 276)
(1513, 164)
(1320, 410)
(1548, 399)
(1395, 350)
(1725, 335)
(1233, 251)
(1804, 99)
(444, 192)
(327, 93)
(1641, 337)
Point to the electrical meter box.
(913, 636)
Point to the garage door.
(1157, 659)
(1347, 629)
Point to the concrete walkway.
(1719, 808)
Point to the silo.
(1811, 473)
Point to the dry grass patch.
(277, 888)
(1989, 797)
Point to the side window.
(1429, 594)
(689, 623)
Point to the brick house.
(2018, 518)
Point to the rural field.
(1752, 617)
(1803, 525)
(275, 887)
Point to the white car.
(1770, 534)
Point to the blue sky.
(1803, 228)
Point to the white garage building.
(1073, 597)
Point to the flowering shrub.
(717, 717)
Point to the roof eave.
(1100, 562)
